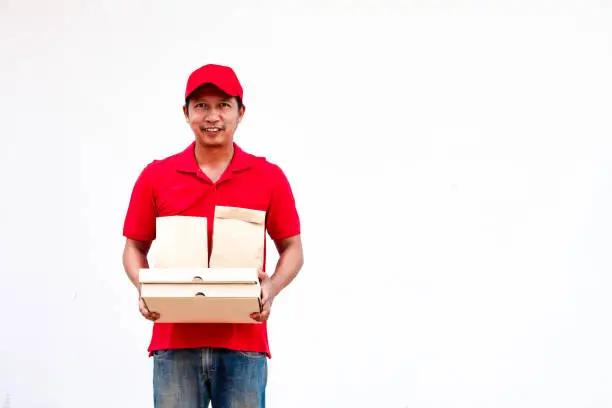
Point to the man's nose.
(212, 116)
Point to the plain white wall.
(451, 164)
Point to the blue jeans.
(193, 378)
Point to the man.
(226, 364)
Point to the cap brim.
(216, 85)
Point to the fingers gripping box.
(183, 288)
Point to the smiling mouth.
(211, 129)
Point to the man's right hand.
(145, 311)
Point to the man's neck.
(214, 157)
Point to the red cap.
(221, 76)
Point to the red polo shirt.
(176, 186)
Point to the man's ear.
(241, 113)
(186, 113)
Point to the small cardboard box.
(201, 295)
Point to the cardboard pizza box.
(201, 295)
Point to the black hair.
(238, 101)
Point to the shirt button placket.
(212, 199)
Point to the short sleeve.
(140, 219)
(282, 220)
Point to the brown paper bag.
(238, 238)
(181, 242)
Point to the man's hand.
(268, 293)
(145, 311)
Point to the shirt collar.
(186, 161)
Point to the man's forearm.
(134, 258)
(289, 264)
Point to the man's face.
(213, 116)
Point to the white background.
(451, 162)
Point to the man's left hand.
(268, 293)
